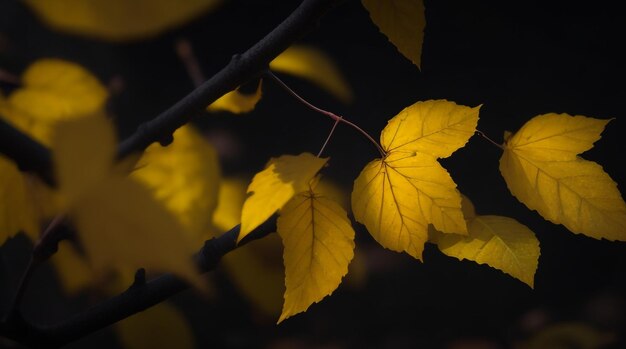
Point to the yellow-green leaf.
(271, 188)
(541, 168)
(17, 209)
(314, 65)
(237, 102)
(118, 20)
(318, 247)
(161, 326)
(185, 177)
(500, 242)
(119, 222)
(397, 197)
(53, 90)
(435, 127)
(403, 22)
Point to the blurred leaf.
(119, 20)
(53, 90)
(120, 224)
(161, 326)
(569, 335)
(270, 189)
(314, 65)
(72, 269)
(256, 269)
(237, 102)
(184, 176)
(403, 22)
(17, 209)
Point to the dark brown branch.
(240, 69)
(29, 155)
(138, 297)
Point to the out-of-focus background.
(516, 59)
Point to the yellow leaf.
(318, 247)
(542, 170)
(397, 197)
(314, 65)
(17, 209)
(184, 176)
(119, 223)
(500, 242)
(436, 127)
(403, 22)
(237, 102)
(53, 90)
(271, 188)
(118, 20)
(161, 326)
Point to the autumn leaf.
(542, 169)
(184, 176)
(270, 189)
(403, 22)
(53, 90)
(161, 326)
(118, 20)
(237, 102)
(314, 65)
(119, 223)
(318, 247)
(500, 242)
(397, 197)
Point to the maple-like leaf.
(51, 90)
(237, 102)
(314, 65)
(161, 326)
(118, 20)
(500, 242)
(119, 223)
(542, 169)
(397, 197)
(270, 189)
(185, 177)
(318, 247)
(403, 22)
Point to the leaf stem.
(331, 115)
(330, 134)
(482, 134)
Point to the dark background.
(517, 59)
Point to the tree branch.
(28, 154)
(138, 297)
(240, 69)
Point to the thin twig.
(331, 115)
(482, 134)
